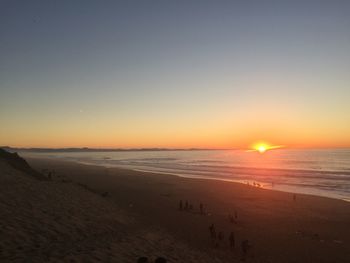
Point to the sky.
(178, 74)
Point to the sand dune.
(55, 221)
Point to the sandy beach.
(91, 213)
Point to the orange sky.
(184, 133)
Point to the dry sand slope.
(56, 221)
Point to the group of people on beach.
(255, 184)
(186, 206)
(48, 173)
(233, 218)
(217, 238)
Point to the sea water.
(322, 172)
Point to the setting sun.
(263, 147)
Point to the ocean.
(322, 172)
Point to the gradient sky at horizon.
(219, 74)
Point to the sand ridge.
(55, 221)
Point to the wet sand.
(143, 210)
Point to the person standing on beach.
(245, 247)
(212, 231)
(232, 240)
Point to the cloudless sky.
(219, 74)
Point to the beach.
(279, 226)
(86, 213)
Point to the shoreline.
(285, 188)
(232, 181)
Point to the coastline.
(308, 229)
(238, 171)
(199, 177)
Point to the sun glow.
(263, 147)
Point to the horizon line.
(94, 149)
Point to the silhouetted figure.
(160, 260)
(236, 215)
(180, 205)
(186, 205)
(211, 227)
(201, 208)
(212, 231)
(143, 260)
(245, 247)
(232, 240)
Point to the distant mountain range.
(86, 149)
